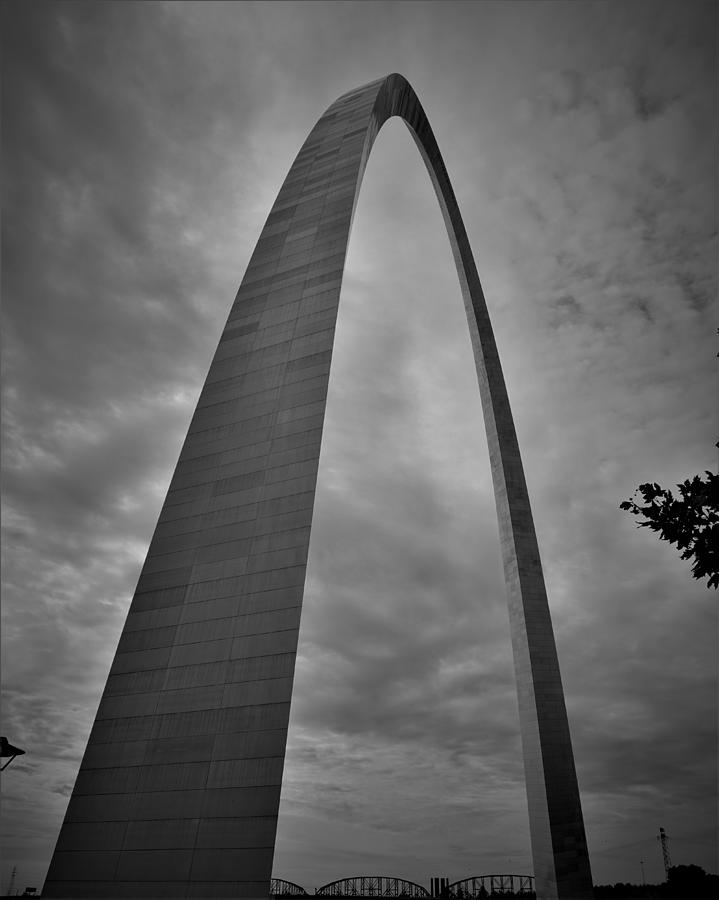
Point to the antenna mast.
(664, 841)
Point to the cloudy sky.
(144, 144)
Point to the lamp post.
(7, 749)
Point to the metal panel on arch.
(179, 787)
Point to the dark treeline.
(683, 883)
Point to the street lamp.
(7, 749)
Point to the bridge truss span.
(279, 887)
(480, 886)
(373, 886)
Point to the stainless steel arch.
(178, 791)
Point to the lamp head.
(7, 749)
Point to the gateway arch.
(178, 790)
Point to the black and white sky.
(143, 146)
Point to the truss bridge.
(281, 888)
(373, 886)
(476, 887)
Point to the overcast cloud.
(144, 144)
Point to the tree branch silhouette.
(691, 521)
